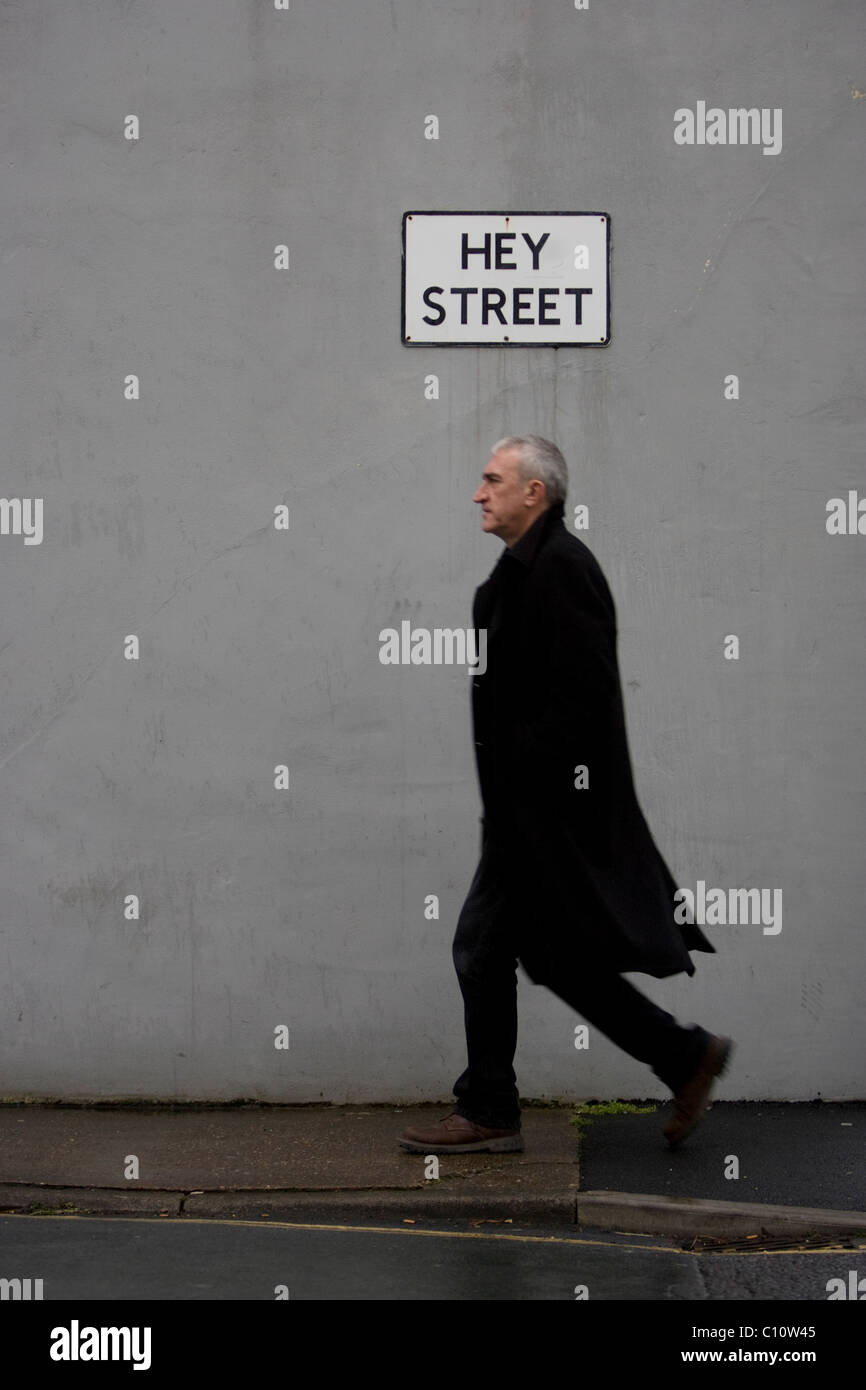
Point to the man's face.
(508, 504)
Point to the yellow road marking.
(422, 1231)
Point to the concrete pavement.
(800, 1167)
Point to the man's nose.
(479, 495)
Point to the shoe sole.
(512, 1144)
(721, 1068)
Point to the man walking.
(570, 881)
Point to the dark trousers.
(492, 935)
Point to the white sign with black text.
(506, 279)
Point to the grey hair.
(541, 459)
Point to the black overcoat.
(581, 863)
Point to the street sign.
(506, 279)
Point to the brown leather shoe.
(456, 1135)
(691, 1100)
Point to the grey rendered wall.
(154, 777)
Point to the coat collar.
(526, 549)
